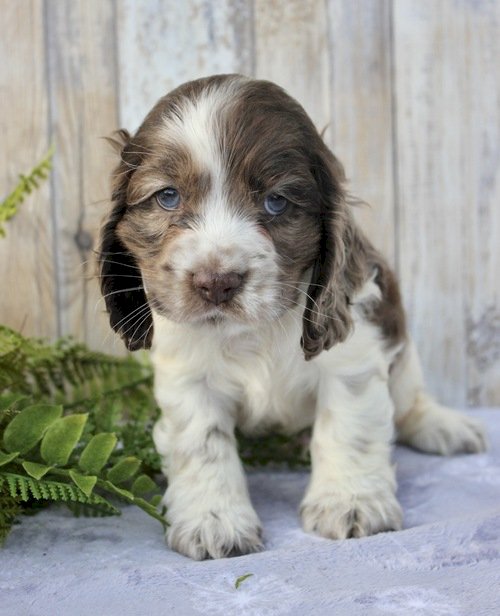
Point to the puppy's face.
(223, 200)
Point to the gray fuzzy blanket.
(446, 562)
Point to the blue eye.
(275, 204)
(168, 198)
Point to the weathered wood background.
(409, 91)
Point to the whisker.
(320, 314)
(95, 276)
(118, 291)
(286, 332)
(301, 291)
(136, 267)
(143, 320)
(309, 284)
(136, 313)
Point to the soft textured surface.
(445, 563)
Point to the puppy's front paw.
(341, 515)
(215, 533)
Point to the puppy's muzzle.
(217, 288)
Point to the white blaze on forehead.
(198, 125)
(193, 126)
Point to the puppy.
(232, 252)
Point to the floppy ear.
(121, 281)
(336, 271)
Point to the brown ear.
(327, 319)
(121, 281)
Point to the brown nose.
(217, 288)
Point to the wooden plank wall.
(409, 95)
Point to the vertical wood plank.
(83, 108)
(291, 49)
(430, 56)
(163, 44)
(480, 168)
(26, 266)
(361, 132)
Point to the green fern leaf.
(124, 469)
(61, 438)
(35, 490)
(142, 485)
(10, 205)
(85, 483)
(96, 453)
(96, 506)
(18, 486)
(53, 491)
(8, 401)
(5, 458)
(35, 470)
(9, 510)
(45, 491)
(29, 426)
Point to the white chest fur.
(262, 374)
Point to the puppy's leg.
(421, 422)
(208, 506)
(352, 487)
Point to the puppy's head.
(225, 201)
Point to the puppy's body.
(270, 311)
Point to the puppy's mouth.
(197, 311)
(214, 319)
(214, 315)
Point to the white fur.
(195, 122)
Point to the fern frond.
(24, 488)
(25, 186)
(64, 372)
(95, 509)
(10, 508)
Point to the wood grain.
(163, 44)
(83, 108)
(480, 169)
(27, 300)
(361, 111)
(430, 54)
(291, 49)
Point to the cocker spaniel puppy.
(232, 252)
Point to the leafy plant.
(25, 186)
(82, 453)
(37, 445)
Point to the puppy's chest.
(261, 376)
(276, 395)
